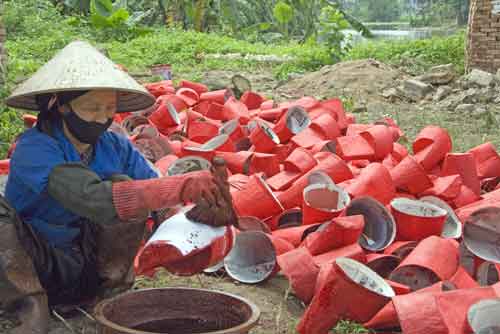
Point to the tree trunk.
(200, 15)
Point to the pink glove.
(135, 198)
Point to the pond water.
(401, 34)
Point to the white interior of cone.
(269, 132)
(364, 276)
(211, 145)
(188, 164)
(380, 229)
(453, 227)
(483, 239)
(173, 113)
(297, 119)
(252, 258)
(229, 127)
(185, 235)
(487, 274)
(417, 208)
(326, 197)
(484, 316)
(415, 277)
(319, 177)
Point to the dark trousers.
(99, 260)
(68, 275)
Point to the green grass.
(415, 55)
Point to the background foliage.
(139, 34)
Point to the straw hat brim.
(79, 66)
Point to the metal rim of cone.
(378, 213)
(252, 258)
(483, 316)
(80, 66)
(452, 227)
(297, 119)
(343, 196)
(185, 165)
(486, 246)
(365, 277)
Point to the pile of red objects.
(362, 229)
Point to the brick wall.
(483, 45)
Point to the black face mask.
(86, 132)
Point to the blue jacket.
(35, 156)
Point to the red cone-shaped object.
(300, 160)
(252, 100)
(198, 87)
(431, 146)
(298, 266)
(341, 232)
(295, 235)
(353, 251)
(234, 109)
(380, 138)
(263, 138)
(374, 181)
(487, 160)
(350, 291)
(386, 318)
(417, 220)
(464, 165)
(354, 148)
(410, 175)
(434, 259)
(322, 202)
(256, 191)
(463, 280)
(332, 165)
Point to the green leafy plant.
(331, 24)
(115, 20)
(283, 13)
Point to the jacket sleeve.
(81, 191)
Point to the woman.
(78, 195)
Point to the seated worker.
(77, 196)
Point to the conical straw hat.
(79, 66)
